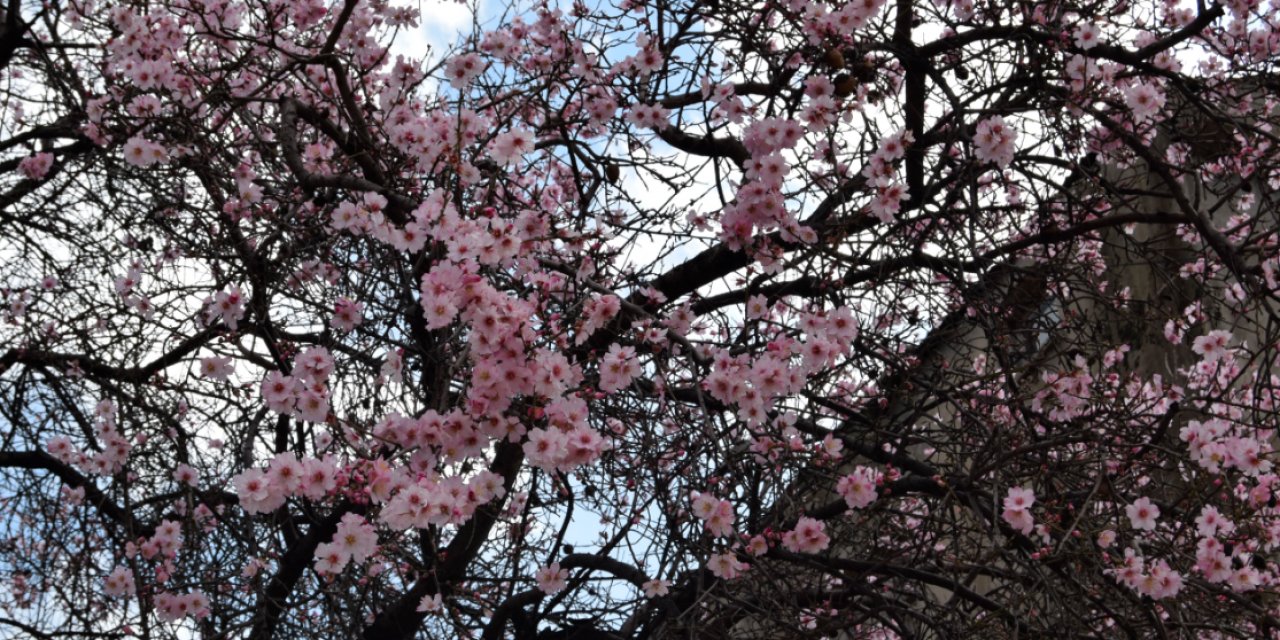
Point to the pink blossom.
(501, 44)
(1210, 522)
(430, 603)
(125, 284)
(596, 312)
(551, 579)
(140, 152)
(216, 367)
(858, 488)
(227, 305)
(462, 69)
(769, 135)
(1019, 498)
(888, 200)
(618, 368)
(60, 447)
(994, 141)
(894, 146)
(186, 474)
(172, 607)
(1142, 514)
(648, 61)
(119, 583)
(1212, 562)
(1244, 579)
(809, 536)
(1086, 35)
(37, 166)
(278, 391)
(319, 478)
(545, 448)
(717, 514)
(285, 472)
(1160, 582)
(1145, 100)
(356, 538)
(704, 505)
(508, 148)
(315, 364)
(648, 116)
(330, 558)
(1019, 519)
(257, 495)
(1106, 539)
(655, 588)
(726, 566)
(347, 314)
(1213, 345)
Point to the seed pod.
(863, 70)
(845, 85)
(834, 58)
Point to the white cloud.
(442, 24)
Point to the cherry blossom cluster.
(808, 536)
(995, 141)
(142, 152)
(115, 448)
(1156, 581)
(837, 19)
(1234, 567)
(1017, 509)
(726, 566)
(755, 386)
(883, 176)
(265, 490)
(347, 314)
(435, 502)
(227, 305)
(119, 583)
(1217, 445)
(569, 443)
(172, 606)
(716, 514)
(859, 487)
(163, 545)
(355, 541)
(423, 267)
(1066, 394)
(760, 204)
(36, 166)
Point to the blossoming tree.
(648, 319)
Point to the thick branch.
(100, 369)
(72, 478)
